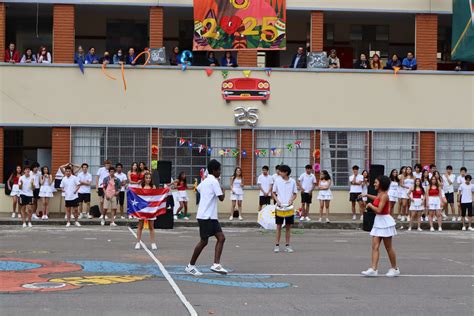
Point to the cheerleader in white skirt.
(417, 206)
(383, 229)
(12, 184)
(324, 195)
(237, 189)
(401, 174)
(393, 190)
(434, 203)
(183, 199)
(407, 185)
(46, 190)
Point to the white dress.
(237, 191)
(15, 190)
(46, 189)
(403, 191)
(393, 191)
(324, 195)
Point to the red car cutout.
(246, 89)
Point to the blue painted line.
(246, 285)
(17, 265)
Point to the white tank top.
(324, 183)
(237, 186)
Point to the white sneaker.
(101, 216)
(192, 270)
(466, 219)
(89, 216)
(444, 216)
(77, 224)
(65, 216)
(431, 229)
(217, 268)
(463, 228)
(68, 224)
(231, 218)
(289, 249)
(106, 217)
(24, 225)
(35, 217)
(453, 219)
(402, 219)
(153, 246)
(419, 229)
(362, 217)
(113, 224)
(301, 218)
(186, 218)
(102, 222)
(409, 229)
(30, 225)
(81, 216)
(399, 217)
(13, 215)
(370, 273)
(46, 217)
(241, 218)
(354, 217)
(276, 249)
(137, 246)
(470, 229)
(440, 229)
(393, 272)
(459, 219)
(122, 217)
(320, 220)
(327, 220)
(308, 219)
(175, 217)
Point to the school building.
(54, 113)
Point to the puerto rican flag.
(146, 203)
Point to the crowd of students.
(43, 56)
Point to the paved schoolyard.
(51, 270)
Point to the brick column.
(3, 13)
(427, 148)
(61, 147)
(426, 41)
(247, 58)
(317, 31)
(63, 33)
(156, 27)
(247, 164)
(2, 153)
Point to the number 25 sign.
(239, 24)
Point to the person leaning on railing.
(376, 62)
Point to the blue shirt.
(79, 59)
(409, 63)
(90, 59)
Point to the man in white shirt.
(84, 193)
(211, 191)
(355, 181)
(460, 180)
(70, 185)
(306, 184)
(265, 183)
(465, 198)
(101, 174)
(26, 185)
(448, 187)
(35, 173)
(123, 181)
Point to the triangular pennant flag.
(263, 152)
(190, 144)
(396, 69)
(268, 71)
(209, 71)
(298, 144)
(209, 150)
(81, 65)
(289, 147)
(221, 153)
(273, 150)
(182, 141)
(244, 153)
(246, 73)
(225, 73)
(235, 153)
(201, 148)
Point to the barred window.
(342, 150)
(395, 149)
(455, 149)
(296, 159)
(192, 160)
(124, 145)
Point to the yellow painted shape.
(101, 279)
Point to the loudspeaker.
(165, 221)
(155, 177)
(375, 172)
(164, 171)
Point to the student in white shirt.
(355, 182)
(237, 196)
(306, 184)
(70, 186)
(123, 180)
(465, 198)
(84, 193)
(265, 183)
(35, 173)
(211, 191)
(448, 187)
(460, 180)
(101, 174)
(26, 185)
(285, 192)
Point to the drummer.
(284, 193)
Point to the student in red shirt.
(11, 54)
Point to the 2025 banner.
(239, 24)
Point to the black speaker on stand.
(162, 176)
(369, 215)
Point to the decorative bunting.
(201, 148)
(190, 144)
(298, 144)
(268, 71)
(246, 73)
(244, 153)
(257, 152)
(235, 153)
(317, 154)
(290, 147)
(154, 149)
(182, 141)
(225, 73)
(221, 153)
(209, 71)
(264, 152)
(209, 150)
(396, 69)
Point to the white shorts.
(417, 205)
(15, 190)
(236, 197)
(403, 193)
(434, 203)
(393, 195)
(183, 196)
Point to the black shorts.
(36, 193)
(449, 197)
(306, 198)
(354, 197)
(289, 220)
(72, 203)
(100, 192)
(121, 198)
(26, 200)
(466, 208)
(208, 228)
(84, 197)
(265, 200)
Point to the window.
(192, 160)
(124, 145)
(455, 149)
(342, 150)
(296, 159)
(395, 149)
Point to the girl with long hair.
(408, 183)
(12, 184)
(147, 183)
(417, 206)
(376, 62)
(44, 57)
(134, 176)
(425, 183)
(181, 186)
(365, 185)
(401, 174)
(46, 190)
(394, 189)
(324, 195)
(434, 202)
(237, 196)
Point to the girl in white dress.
(400, 191)
(406, 184)
(365, 185)
(324, 195)
(425, 183)
(237, 189)
(15, 190)
(393, 190)
(417, 206)
(46, 190)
